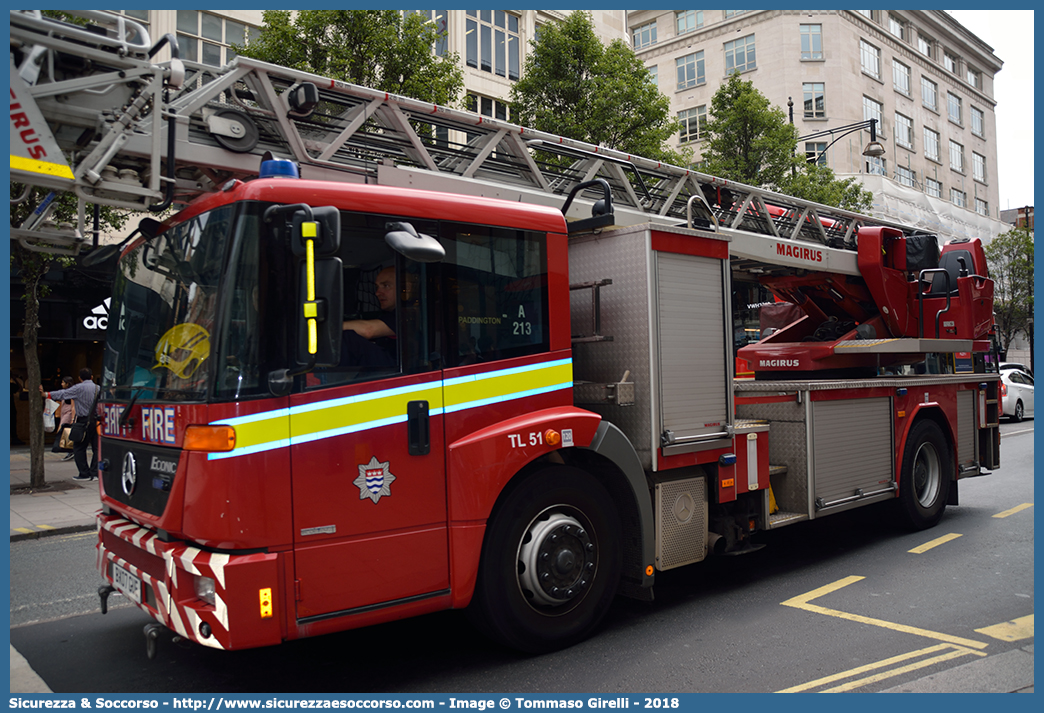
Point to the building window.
(440, 19)
(654, 75)
(644, 35)
(896, 27)
(690, 70)
(906, 176)
(953, 107)
(811, 42)
(957, 198)
(978, 167)
(982, 207)
(978, 119)
(206, 38)
(733, 13)
(901, 77)
(815, 100)
(974, 78)
(487, 106)
(933, 187)
(931, 144)
(492, 42)
(903, 130)
(693, 122)
(875, 165)
(815, 152)
(950, 62)
(739, 55)
(688, 20)
(930, 94)
(872, 110)
(870, 57)
(956, 156)
(869, 14)
(924, 46)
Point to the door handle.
(418, 430)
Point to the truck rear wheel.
(924, 484)
(550, 562)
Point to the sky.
(1010, 34)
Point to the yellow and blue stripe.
(281, 428)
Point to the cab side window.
(495, 294)
(384, 316)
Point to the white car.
(1016, 394)
(1015, 365)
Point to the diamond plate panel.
(622, 256)
(681, 525)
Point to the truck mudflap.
(160, 578)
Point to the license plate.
(127, 583)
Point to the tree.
(32, 266)
(576, 87)
(382, 49)
(1010, 259)
(748, 139)
(818, 183)
(751, 141)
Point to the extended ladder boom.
(140, 135)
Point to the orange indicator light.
(552, 437)
(210, 438)
(265, 596)
(649, 571)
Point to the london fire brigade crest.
(374, 480)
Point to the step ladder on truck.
(391, 358)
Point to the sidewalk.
(63, 506)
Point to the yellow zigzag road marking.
(802, 602)
(1014, 630)
(1017, 508)
(934, 543)
(952, 652)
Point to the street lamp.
(873, 149)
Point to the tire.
(924, 484)
(550, 561)
(1020, 412)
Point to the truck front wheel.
(924, 484)
(550, 562)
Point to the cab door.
(368, 471)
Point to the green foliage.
(576, 87)
(748, 139)
(818, 183)
(1010, 259)
(751, 141)
(381, 49)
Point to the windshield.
(162, 316)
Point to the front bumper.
(168, 570)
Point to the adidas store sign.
(98, 319)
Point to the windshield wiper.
(125, 415)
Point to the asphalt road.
(842, 603)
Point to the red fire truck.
(346, 399)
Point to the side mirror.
(404, 239)
(315, 238)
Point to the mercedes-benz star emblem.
(130, 474)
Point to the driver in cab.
(371, 342)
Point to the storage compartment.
(666, 314)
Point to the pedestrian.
(66, 417)
(85, 400)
